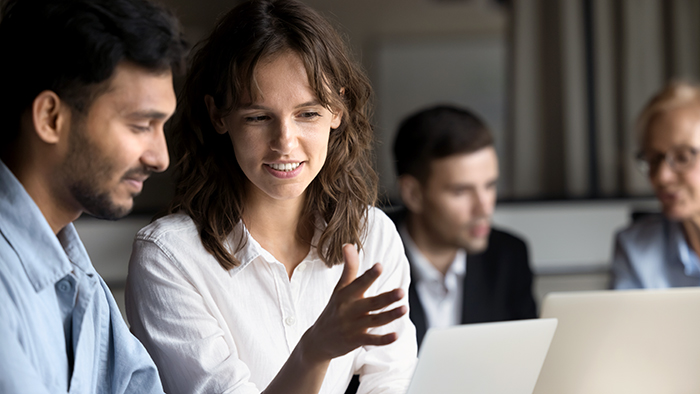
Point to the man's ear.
(411, 193)
(49, 116)
(214, 115)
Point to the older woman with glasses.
(662, 251)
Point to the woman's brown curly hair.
(209, 182)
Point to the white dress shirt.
(215, 331)
(440, 295)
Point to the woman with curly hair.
(251, 281)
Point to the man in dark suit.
(463, 271)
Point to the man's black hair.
(435, 133)
(71, 46)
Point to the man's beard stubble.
(84, 169)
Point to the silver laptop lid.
(485, 358)
(634, 341)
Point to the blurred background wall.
(559, 81)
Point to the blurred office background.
(559, 81)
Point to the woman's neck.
(279, 228)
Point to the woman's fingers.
(383, 318)
(370, 304)
(344, 325)
(355, 333)
(380, 340)
(352, 261)
(359, 286)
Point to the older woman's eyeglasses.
(679, 159)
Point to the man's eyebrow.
(461, 186)
(147, 115)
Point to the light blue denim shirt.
(60, 328)
(652, 253)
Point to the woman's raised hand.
(343, 325)
(341, 328)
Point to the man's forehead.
(130, 77)
(482, 162)
(135, 90)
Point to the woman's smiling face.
(280, 137)
(677, 190)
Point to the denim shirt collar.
(46, 258)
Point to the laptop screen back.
(634, 341)
(503, 357)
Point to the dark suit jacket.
(497, 286)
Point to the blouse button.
(290, 321)
(64, 286)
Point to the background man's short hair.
(71, 46)
(435, 133)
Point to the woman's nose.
(284, 137)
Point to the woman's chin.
(676, 213)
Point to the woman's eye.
(310, 115)
(256, 119)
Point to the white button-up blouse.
(215, 331)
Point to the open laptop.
(485, 358)
(634, 341)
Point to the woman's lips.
(667, 198)
(284, 174)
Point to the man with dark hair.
(85, 90)
(462, 270)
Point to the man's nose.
(156, 157)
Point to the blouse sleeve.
(178, 325)
(388, 369)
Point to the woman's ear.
(214, 115)
(336, 119)
(338, 115)
(49, 115)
